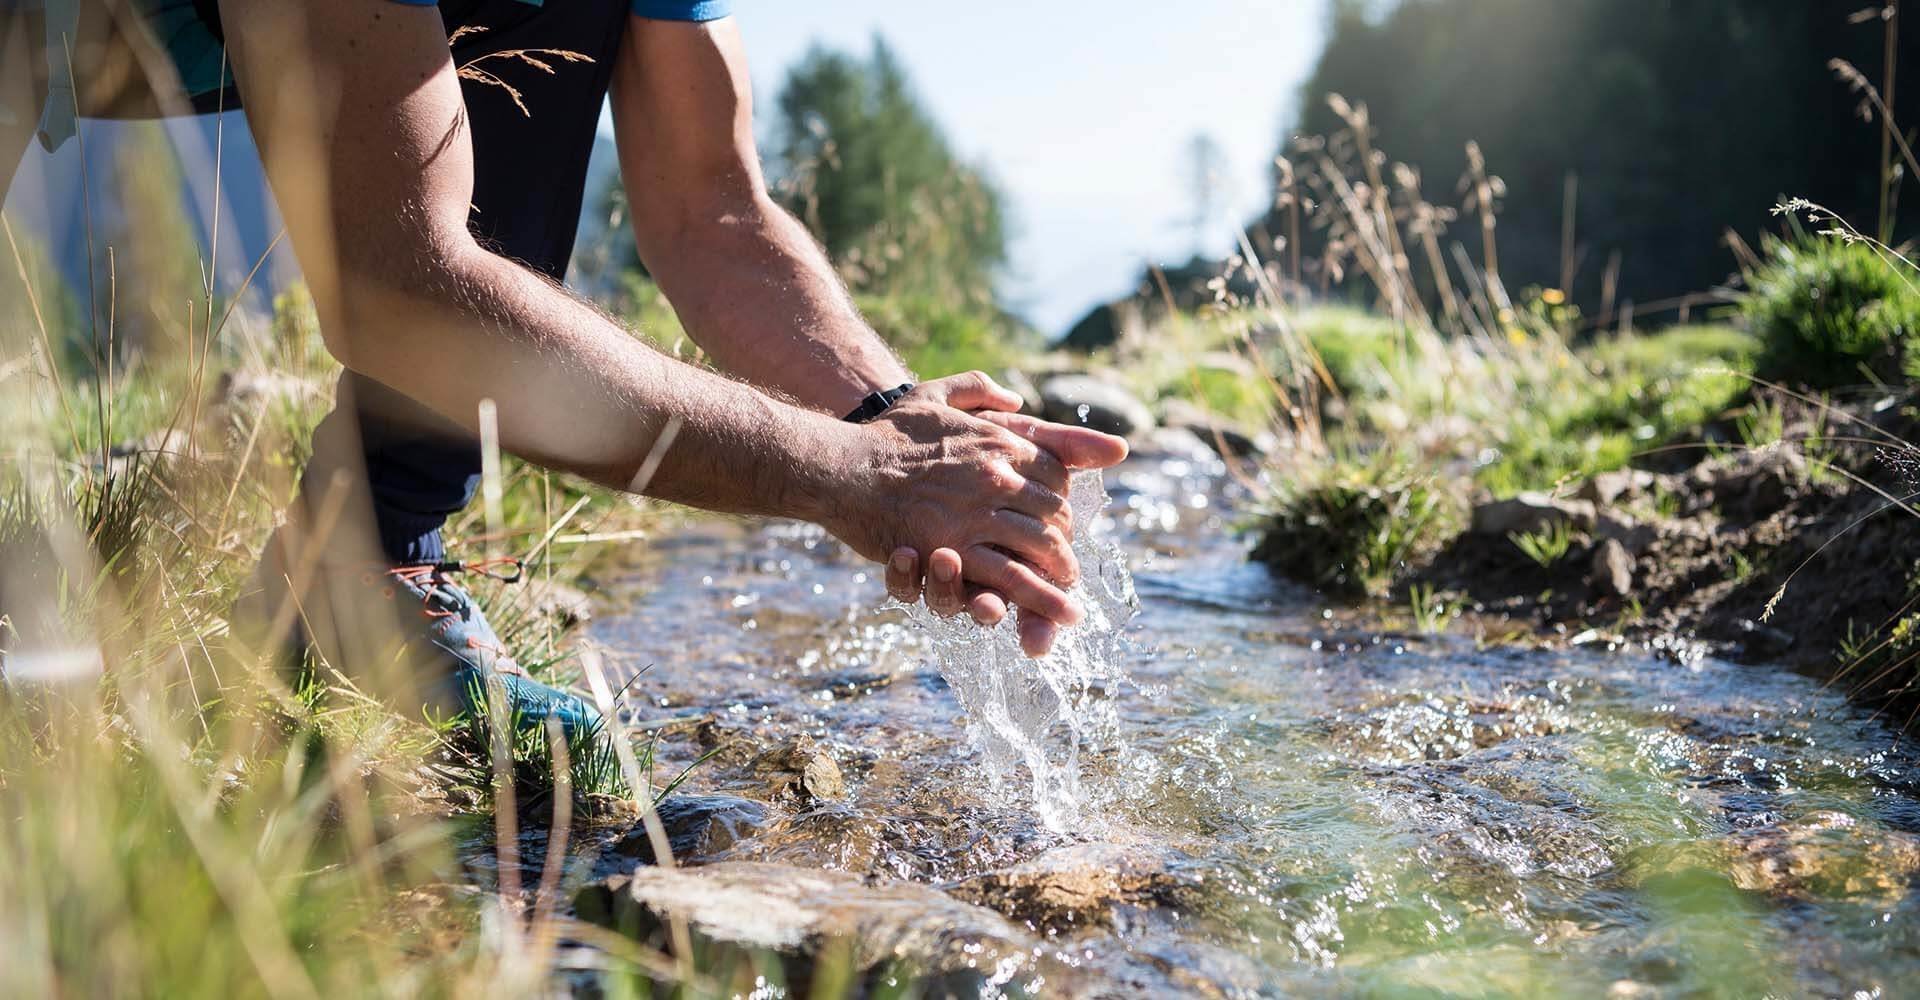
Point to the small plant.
(1357, 526)
(1762, 423)
(1547, 544)
(1742, 565)
(1831, 312)
(1431, 610)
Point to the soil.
(1787, 553)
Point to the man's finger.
(1036, 634)
(1042, 504)
(973, 391)
(1042, 545)
(903, 575)
(987, 608)
(1076, 447)
(1021, 583)
(946, 593)
(1042, 467)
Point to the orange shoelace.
(429, 577)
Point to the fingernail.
(944, 573)
(902, 562)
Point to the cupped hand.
(946, 587)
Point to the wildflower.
(1554, 297)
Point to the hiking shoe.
(449, 650)
(471, 652)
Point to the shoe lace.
(430, 577)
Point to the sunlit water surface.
(1367, 812)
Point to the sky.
(1084, 112)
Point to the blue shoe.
(471, 652)
(451, 651)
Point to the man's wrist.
(877, 402)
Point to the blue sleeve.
(683, 10)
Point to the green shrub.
(937, 339)
(1357, 347)
(1626, 396)
(1831, 313)
(1357, 527)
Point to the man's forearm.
(576, 392)
(758, 295)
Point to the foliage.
(173, 819)
(936, 338)
(1830, 312)
(1355, 527)
(864, 164)
(1651, 105)
(1547, 545)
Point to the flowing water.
(1352, 810)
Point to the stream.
(1339, 808)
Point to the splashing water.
(1041, 713)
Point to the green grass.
(1356, 527)
(175, 819)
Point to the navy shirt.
(199, 57)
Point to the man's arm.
(749, 283)
(357, 111)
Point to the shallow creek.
(1345, 810)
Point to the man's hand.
(984, 580)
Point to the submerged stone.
(697, 827)
(811, 914)
(1080, 886)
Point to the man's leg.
(409, 467)
(529, 175)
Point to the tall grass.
(179, 815)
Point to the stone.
(1824, 855)
(1223, 436)
(1608, 488)
(1632, 535)
(1080, 886)
(798, 768)
(805, 912)
(1171, 443)
(1529, 512)
(1612, 573)
(1108, 407)
(697, 827)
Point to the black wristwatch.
(877, 403)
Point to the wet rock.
(1755, 640)
(1529, 512)
(799, 768)
(1217, 433)
(1107, 406)
(1826, 855)
(1080, 886)
(1612, 573)
(1171, 442)
(805, 913)
(1608, 488)
(697, 826)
